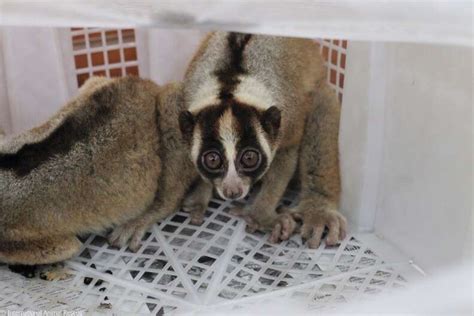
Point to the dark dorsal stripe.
(228, 75)
(74, 129)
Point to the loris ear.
(271, 120)
(186, 124)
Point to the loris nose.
(233, 193)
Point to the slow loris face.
(232, 144)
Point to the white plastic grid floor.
(216, 266)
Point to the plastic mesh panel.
(216, 265)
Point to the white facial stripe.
(233, 179)
(231, 174)
(228, 136)
(264, 143)
(206, 94)
(196, 144)
(253, 92)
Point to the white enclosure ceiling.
(447, 22)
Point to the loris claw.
(281, 227)
(130, 234)
(314, 223)
(245, 214)
(284, 227)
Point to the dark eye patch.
(249, 159)
(211, 145)
(254, 170)
(207, 120)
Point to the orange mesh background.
(334, 53)
(104, 52)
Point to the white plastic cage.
(406, 161)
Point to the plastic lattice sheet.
(215, 266)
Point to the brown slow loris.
(113, 154)
(259, 110)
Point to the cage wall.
(405, 143)
(382, 151)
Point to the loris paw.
(315, 222)
(252, 223)
(284, 227)
(56, 272)
(196, 214)
(130, 233)
(281, 226)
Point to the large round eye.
(212, 160)
(250, 159)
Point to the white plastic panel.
(414, 21)
(354, 138)
(170, 52)
(5, 120)
(214, 267)
(34, 73)
(425, 195)
(406, 148)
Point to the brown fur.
(106, 175)
(318, 172)
(127, 168)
